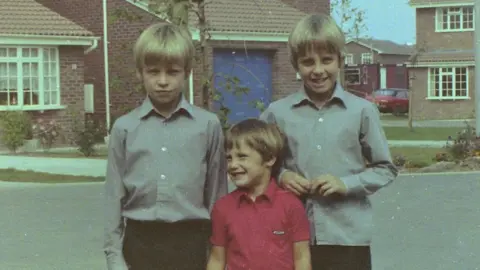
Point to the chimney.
(310, 6)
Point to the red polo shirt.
(259, 235)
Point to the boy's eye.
(308, 62)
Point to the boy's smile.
(319, 71)
(247, 169)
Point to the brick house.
(371, 64)
(41, 60)
(252, 35)
(443, 74)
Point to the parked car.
(390, 100)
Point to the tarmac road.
(422, 223)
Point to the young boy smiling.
(258, 226)
(331, 133)
(166, 164)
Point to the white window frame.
(365, 57)
(443, 71)
(450, 13)
(349, 59)
(19, 61)
(353, 70)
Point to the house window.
(352, 76)
(455, 19)
(29, 77)
(367, 58)
(448, 83)
(349, 59)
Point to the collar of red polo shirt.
(241, 195)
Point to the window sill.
(32, 108)
(447, 98)
(454, 30)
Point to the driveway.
(422, 223)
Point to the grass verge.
(100, 154)
(391, 117)
(421, 133)
(417, 155)
(13, 175)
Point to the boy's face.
(319, 71)
(246, 167)
(163, 83)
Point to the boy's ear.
(271, 162)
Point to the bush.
(442, 156)
(399, 160)
(46, 132)
(465, 144)
(86, 135)
(415, 164)
(15, 126)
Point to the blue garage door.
(253, 70)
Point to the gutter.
(92, 47)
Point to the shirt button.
(319, 147)
(164, 149)
(162, 176)
(320, 120)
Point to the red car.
(390, 100)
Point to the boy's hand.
(327, 184)
(295, 183)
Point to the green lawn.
(391, 117)
(13, 175)
(100, 154)
(421, 133)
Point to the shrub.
(15, 126)
(399, 160)
(464, 144)
(46, 132)
(86, 135)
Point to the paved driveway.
(422, 223)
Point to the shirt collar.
(183, 106)
(301, 98)
(269, 193)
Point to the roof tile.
(28, 17)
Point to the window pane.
(54, 98)
(53, 69)
(3, 52)
(46, 84)
(12, 52)
(25, 52)
(46, 55)
(34, 52)
(53, 55)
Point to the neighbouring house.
(42, 60)
(442, 70)
(371, 64)
(253, 36)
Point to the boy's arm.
(114, 194)
(300, 234)
(217, 259)
(301, 255)
(216, 178)
(380, 169)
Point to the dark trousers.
(166, 246)
(341, 258)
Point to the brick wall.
(439, 109)
(431, 40)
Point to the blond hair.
(266, 139)
(315, 32)
(164, 43)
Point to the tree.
(351, 20)
(420, 49)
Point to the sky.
(388, 19)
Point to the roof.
(385, 46)
(439, 2)
(245, 16)
(445, 56)
(28, 17)
(251, 16)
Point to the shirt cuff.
(353, 184)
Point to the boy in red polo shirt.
(258, 226)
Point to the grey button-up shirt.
(162, 169)
(343, 138)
